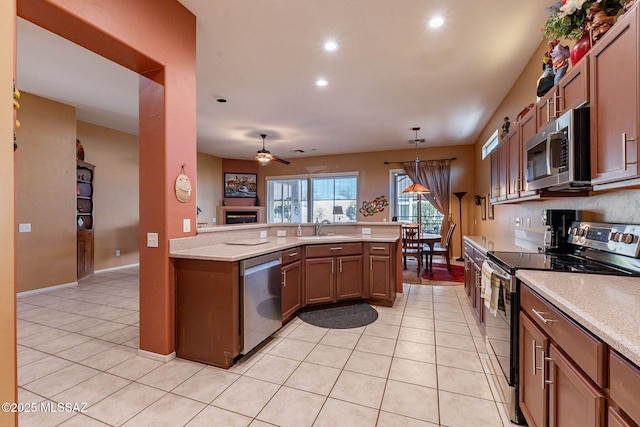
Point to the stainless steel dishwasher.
(261, 294)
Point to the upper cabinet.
(614, 102)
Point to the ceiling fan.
(264, 156)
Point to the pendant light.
(416, 188)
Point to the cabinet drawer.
(334, 249)
(479, 257)
(624, 385)
(291, 255)
(379, 249)
(468, 250)
(586, 351)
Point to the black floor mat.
(351, 316)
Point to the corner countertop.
(237, 250)
(607, 306)
(504, 244)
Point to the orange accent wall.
(8, 360)
(157, 39)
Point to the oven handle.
(500, 272)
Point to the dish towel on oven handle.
(489, 288)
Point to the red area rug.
(441, 274)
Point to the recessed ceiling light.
(330, 46)
(322, 82)
(436, 21)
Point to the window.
(287, 201)
(406, 205)
(301, 200)
(490, 145)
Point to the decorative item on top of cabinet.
(615, 90)
(84, 218)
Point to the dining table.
(430, 239)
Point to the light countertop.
(605, 305)
(503, 244)
(239, 249)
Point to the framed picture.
(490, 212)
(240, 184)
(483, 206)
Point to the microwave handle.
(550, 137)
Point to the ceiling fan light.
(263, 158)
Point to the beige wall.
(613, 206)
(209, 187)
(8, 363)
(374, 176)
(116, 216)
(45, 193)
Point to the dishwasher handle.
(260, 267)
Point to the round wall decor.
(183, 187)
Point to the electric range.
(593, 248)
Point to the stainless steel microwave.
(558, 156)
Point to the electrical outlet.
(117, 252)
(263, 234)
(186, 225)
(518, 223)
(24, 228)
(213, 221)
(152, 240)
(281, 233)
(528, 222)
(366, 231)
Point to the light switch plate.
(186, 225)
(281, 233)
(366, 231)
(24, 228)
(152, 240)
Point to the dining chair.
(439, 249)
(411, 247)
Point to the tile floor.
(422, 363)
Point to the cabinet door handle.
(284, 279)
(332, 265)
(556, 104)
(541, 317)
(534, 347)
(340, 266)
(293, 254)
(545, 360)
(378, 248)
(624, 150)
(370, 264)
(339, 248)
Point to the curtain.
(434, 174)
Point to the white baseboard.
(156, 356)
(46, 289)
(122, 267)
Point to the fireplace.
(226, 215)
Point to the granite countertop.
(504, 244)
(239, 249)
(605, 305)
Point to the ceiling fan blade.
(278, 159)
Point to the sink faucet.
(319, 225)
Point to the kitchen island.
(346, 262)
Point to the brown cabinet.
(468, 271)
(495, 176)
(208, 311)
(380, 272)
(561, 368)
(615, 90)
(84, 218)
(513, 161)
(624, 389)
(333, 272)
(291, 282)
(478, 259)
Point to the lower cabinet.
(85, 254)
(624, 391)
(292, 281)
(380, 272)
(561, 368)
(333, 272)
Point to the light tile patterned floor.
(422, 363)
